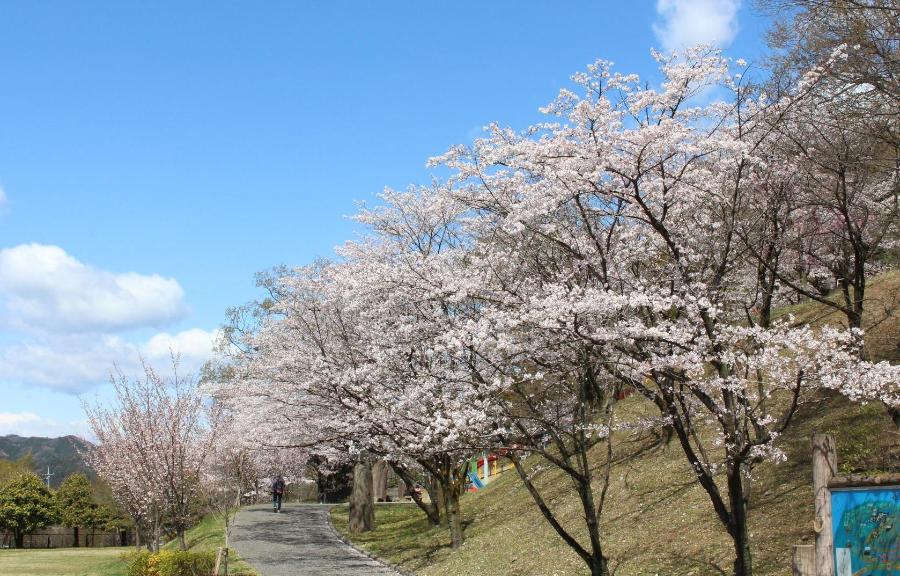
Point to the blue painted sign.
(866, 526)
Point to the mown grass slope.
(657, 520)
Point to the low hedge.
(170, 563)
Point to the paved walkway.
(297, 542)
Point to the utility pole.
(47, 477)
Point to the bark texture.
(362, 501)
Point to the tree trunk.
(599, 566)
(598, 563)
(362, 503)
(181, 541)
(380, 480)
(740, 534)
(157, 531)
(435, 494)
(19, 537)
(432, 509)
(451, 507)
(894, 413)
(75, 543)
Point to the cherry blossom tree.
(637, 240)
(350, 350)
(617, 225)
(845, 193)
(281, 393)
(152, 444)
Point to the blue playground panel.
(866, 527)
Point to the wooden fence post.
(803, 560)
(824, 466)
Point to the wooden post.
(803, 560)
(220, 553)
(824, 467)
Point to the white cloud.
(46, 289)
(8, 420)
(685, 23)
(78, 362)
(30, 424)
(4, 201)
(192, 346)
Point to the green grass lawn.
(63, 562)
(206, 535)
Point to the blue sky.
(155, 155)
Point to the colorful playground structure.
(484, 468)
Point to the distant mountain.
(60, 454)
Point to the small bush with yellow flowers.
(170, 563)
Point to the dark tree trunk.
(595, 561)
(75, 543)
(362, 502)
(598, 563)
(740, 533)
(454, 518)
(19, 537)
(894, 413)
(435, 494)
(432, 509)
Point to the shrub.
(137, 562)
(170, 563)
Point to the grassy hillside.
(881, 317)
(60, 454)
(657, 520)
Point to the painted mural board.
(866, 527)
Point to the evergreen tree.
(75, 502)
(26, 505)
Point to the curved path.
(297, 542)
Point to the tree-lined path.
(298, 542)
